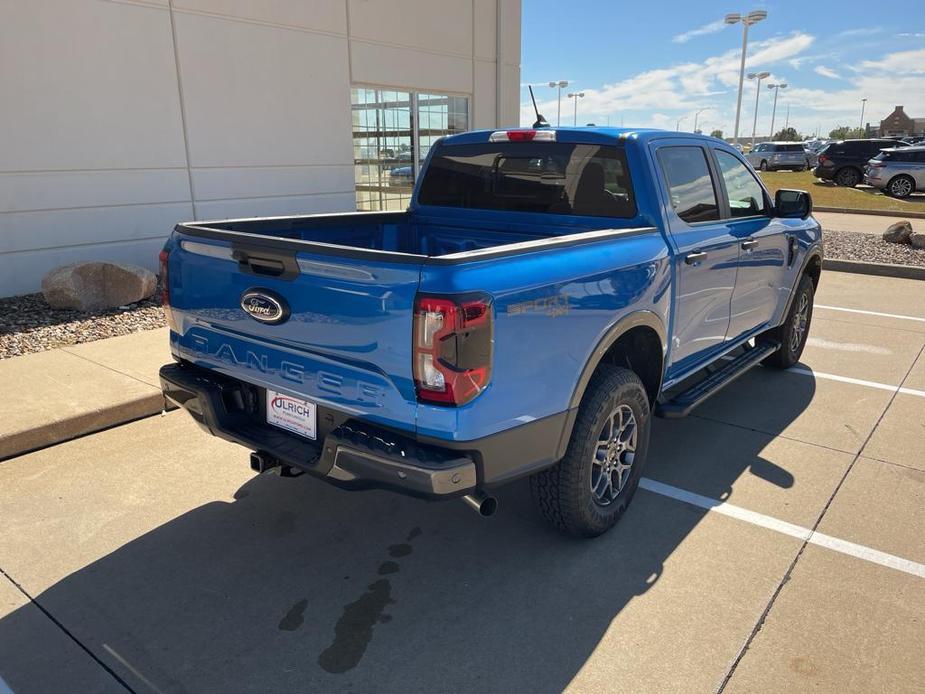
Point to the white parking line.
(856, 381)
(869, 313)
(812, 537)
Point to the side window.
(746, 197)
(690, 186)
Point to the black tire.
(900, 187)
(763, 166)
(848, 177)
(563, 493)
(793, 331)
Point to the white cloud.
(912, 35)
(860, 31)
(902, 63)
(711, 28)
(658, 97)
(683, 88)
(826, 72)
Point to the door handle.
(695, 257)
(749, 244)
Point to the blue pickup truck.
(547, 291)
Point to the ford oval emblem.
(264, 306)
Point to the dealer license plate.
(292, 414)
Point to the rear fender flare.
(610, 337)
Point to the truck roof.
(586, 134)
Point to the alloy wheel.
(800, 317)
(613, 456)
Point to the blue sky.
(653, 63)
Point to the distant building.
(898, 123)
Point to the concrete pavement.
(864, 223)
(67, 392)
(173, 567)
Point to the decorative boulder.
(94, 286)
(917, 240)
(898, 232)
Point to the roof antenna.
(540, 121)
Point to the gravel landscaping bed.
(854, 245)
(28, 324)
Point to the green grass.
(826, 194)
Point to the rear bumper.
(347, 453)
(354, 454)
(823, 172)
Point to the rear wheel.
(848, 177)
(793, 331)
(588, 491)
(901, 187)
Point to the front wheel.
(793, 331)
(764, 165)
(588, 491)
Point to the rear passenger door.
(762, 241)
(706, 254)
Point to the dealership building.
(122, 117)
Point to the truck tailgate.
(346, 341)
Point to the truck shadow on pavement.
(298, 585)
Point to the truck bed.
(397, 234)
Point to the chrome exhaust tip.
(482, 503)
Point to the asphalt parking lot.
(777, 545)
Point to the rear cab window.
(548, 177)
(690, 184)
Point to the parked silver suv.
(770, 156)
(897, 171)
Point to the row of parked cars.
(897, 167)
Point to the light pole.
(559, 85)
(776, 88)
(752, 17)
(697, 115)
(756, 76)
(863, 104)
(677, 125)
(576, 96)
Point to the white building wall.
(121, 117)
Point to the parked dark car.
(844, 161)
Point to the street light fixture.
(776, 88)
(697, 115)
(752, 17)
(576, 96)
(677, 126)
(560, 84)
(757, 76)
(863, 104)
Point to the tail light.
(876, 164)
(452, 347)
(164, 258)
(823, 159)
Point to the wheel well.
(814, 270)
(639, 350)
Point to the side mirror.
(796, 204)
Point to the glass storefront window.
(388, 128)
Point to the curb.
(874, 213)
(908, 272)
(53, 433)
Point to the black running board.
(682, 404)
